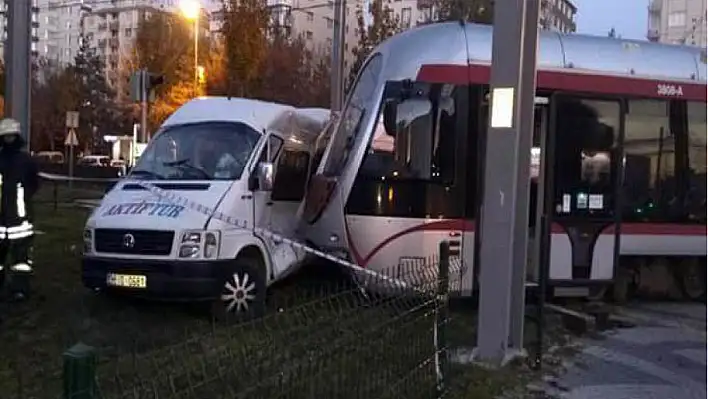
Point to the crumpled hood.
(128, 205)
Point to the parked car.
(119, 164)
(49, 157)
(95, 160)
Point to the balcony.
(102, 26)
(424, 4)
(114, 25)
(655, 7)
(113, 42)
(653, 35)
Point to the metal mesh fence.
(367, 337)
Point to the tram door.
(578, 219)
(540, 128)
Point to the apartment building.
(60, 29)
(677, 22)
(554, 14)
(558, 15)
(314, 20)
(34, 26)
(311, 19)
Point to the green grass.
(322, 338)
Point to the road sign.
(71, 139)
(72, 119)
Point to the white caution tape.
(242, 224)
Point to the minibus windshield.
(198, 151)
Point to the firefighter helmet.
(9, 126)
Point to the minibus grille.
(134, 242)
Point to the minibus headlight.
(189, 251)
(199, 244)
(211, 245)
(191, 237)
(88, 240)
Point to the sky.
(597, 17)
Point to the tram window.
(585, 139)
(291, 176)
(649, 189)
(358, 109)
(423, 147)
(696, 198)
(412, 172)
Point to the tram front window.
(350, 129)
(409, 169)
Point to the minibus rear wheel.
(243, 292)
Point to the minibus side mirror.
(262, 178)
(390, 111)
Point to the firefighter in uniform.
(19, 181)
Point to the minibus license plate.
(127, 281)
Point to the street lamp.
(191, 10)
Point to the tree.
(479, 11)
(245, 31)
(96, 98)
(216, 77)
(49, 116)
(320, 80)
(293, 74)
(384, 24)
(163, 45)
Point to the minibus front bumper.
(176, 280)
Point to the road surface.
(662, 357)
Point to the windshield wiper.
(184, 163)
(148, 173)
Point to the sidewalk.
(663, 357)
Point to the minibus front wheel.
(243, 292)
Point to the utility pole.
(504, 148)
(338, 38)
(18, 64)
(525, 139)
(144, 105)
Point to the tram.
(620, 126)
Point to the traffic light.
(136, 86)
(142, 84)
(152, 80)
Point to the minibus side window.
(291, 176)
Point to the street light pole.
(337, 70)
(191, 9)
(196, 55)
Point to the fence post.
(442, 315)
(80, 372)
(56, 194)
